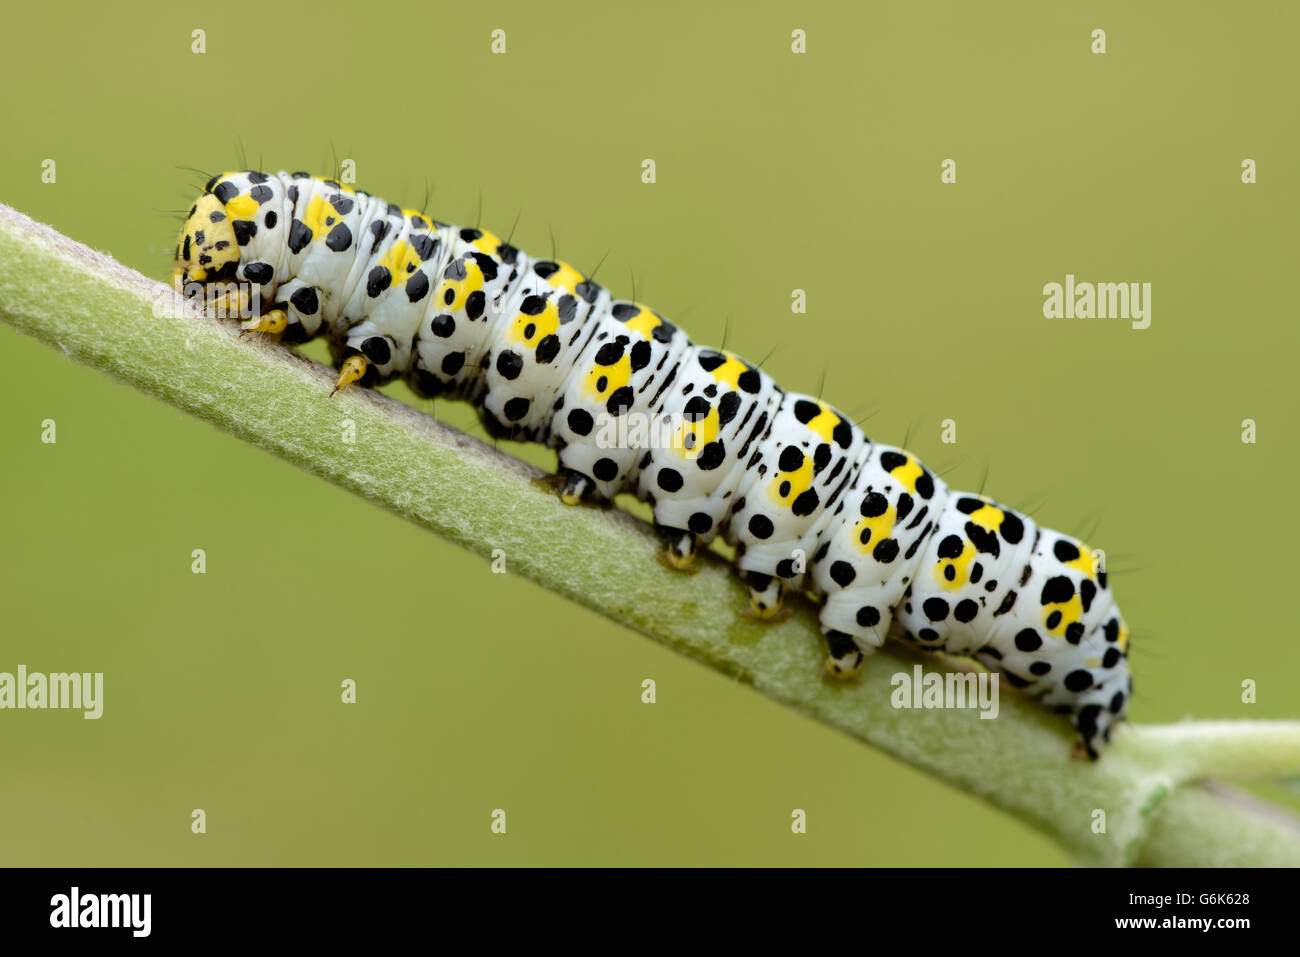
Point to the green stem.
(1195, 750)
(100, 313)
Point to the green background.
(776, 171)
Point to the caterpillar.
(547, 355)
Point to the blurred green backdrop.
(776, 171)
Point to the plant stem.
(102, 314)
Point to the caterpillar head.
(233, 240)
(206, 250)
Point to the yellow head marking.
(206, 249)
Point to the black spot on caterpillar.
(709, 440)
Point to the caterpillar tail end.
(353, 368)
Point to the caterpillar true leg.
(353, 369)
(272, 323)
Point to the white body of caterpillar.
(547, 355)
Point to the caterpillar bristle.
(1094, 524)
(591, 275)
(907, 435)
